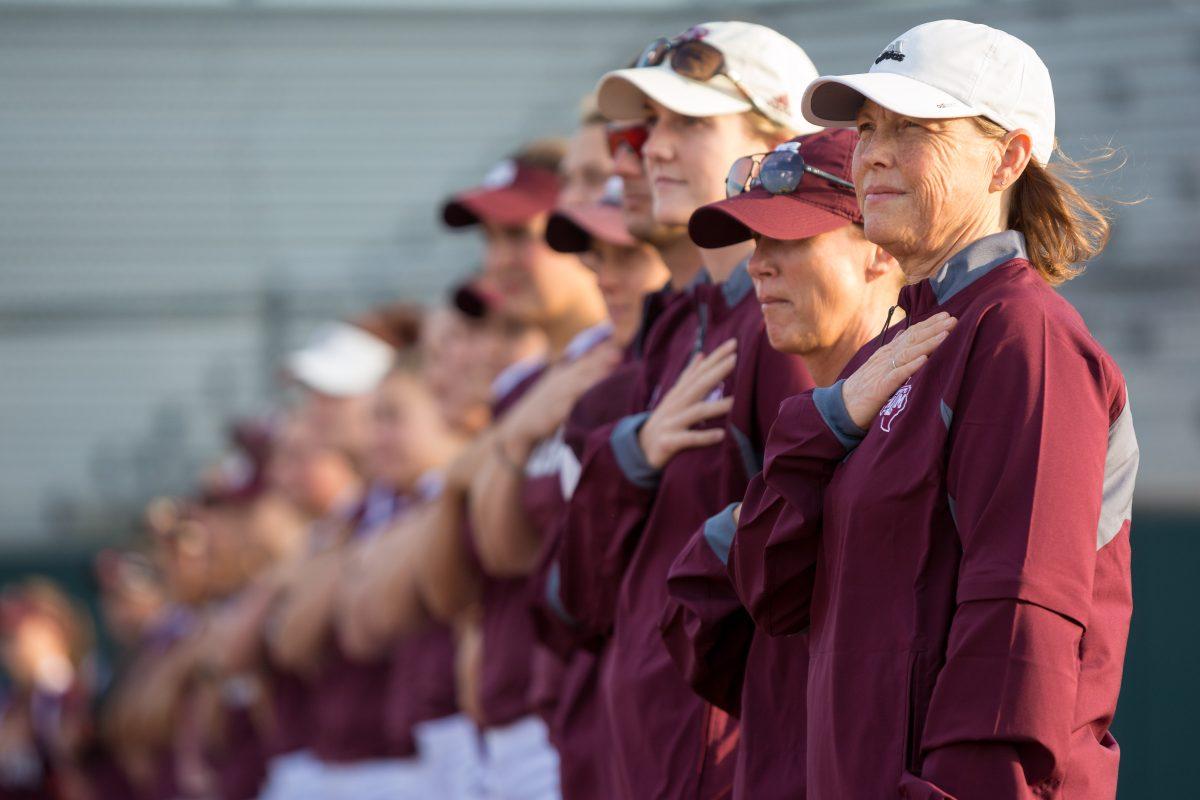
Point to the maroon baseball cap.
(572, 229)
(512, 193)
(241, 476)
(816, 206)
(472, 299)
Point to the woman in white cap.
(952, 518)
(693, 434)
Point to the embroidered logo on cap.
(893, 408)
(894, 52)
(501, 175)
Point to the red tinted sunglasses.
(633, 136)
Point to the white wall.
(160, 167)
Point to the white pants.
(520, 763)
(293, 776)
(449, 748)
(377, 779)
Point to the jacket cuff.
(628, 452)
(829, 402)
(553, 596)
(718, 532)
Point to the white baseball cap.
(341, 360)
(766, 65)
(943, 69)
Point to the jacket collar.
(738, 285)
(963, 269)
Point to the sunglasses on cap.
(700, 61)
(633, 136)
(779, 172)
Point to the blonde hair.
(1063, 227)
(589, 111)
(767, 129)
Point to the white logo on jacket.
(894, 407)
(548, 456)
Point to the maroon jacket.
(508, 636)
(290, 700)
(667, 741)
(607, 510)
(716, 646)
(348, 709)
(348, 713)
(421, 684)
(578, 725)
(964, 563)
(240, 759)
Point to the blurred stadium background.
(187, 187)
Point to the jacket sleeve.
(705, 628)
(601, 405)
(773, 555)
(608, 508)
(764, 379)
(558, 630)
(1029, 451)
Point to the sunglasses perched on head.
(779, 172)
(632, 135)
(700, 61)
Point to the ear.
(1017, 150)
(881, 264)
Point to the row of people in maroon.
(668, 741)
(577, 721)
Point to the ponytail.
(1063, 227)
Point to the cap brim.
(473, 302)
(505, 206)
(834, 101)
(346, 361)
(622, 94)
(777, 216)
(571, 230)
(334, 377)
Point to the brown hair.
(544, 154)
(397, 324)
(1063, 227)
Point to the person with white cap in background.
(951, 518)
(337, 370)
(355, 757)
(705, 395)
(379, 605)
